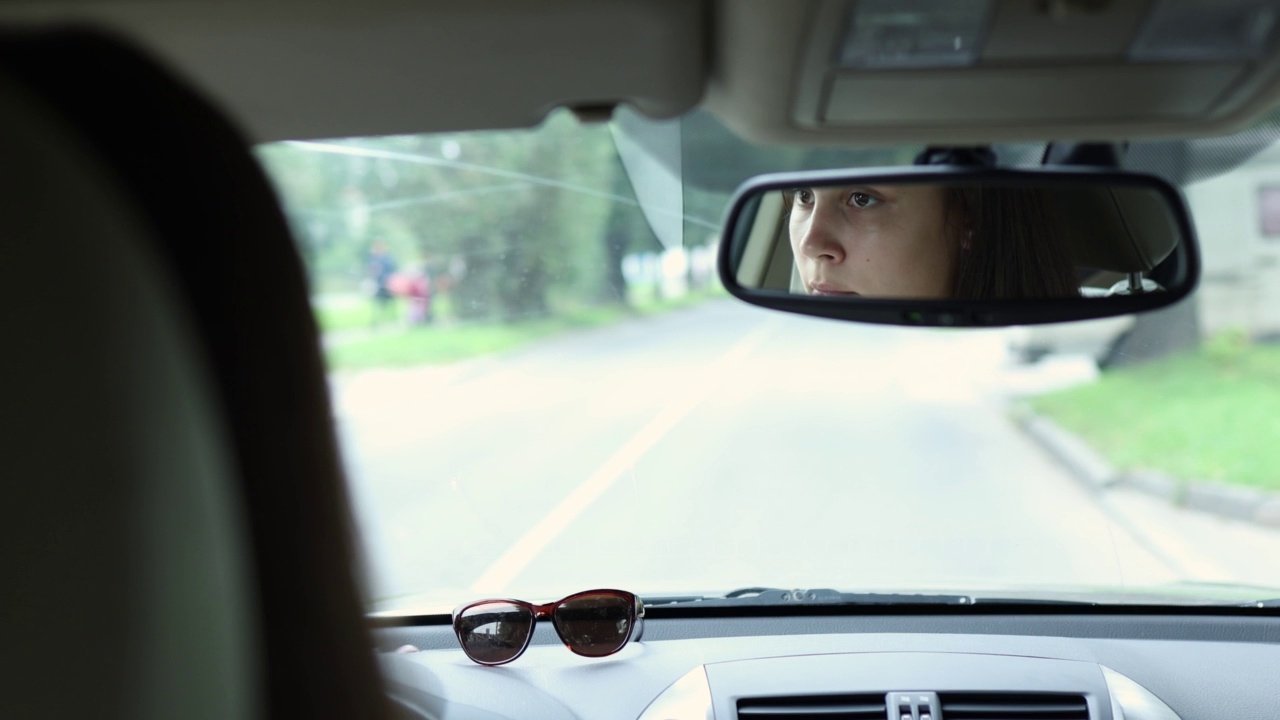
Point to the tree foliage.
(519, 223)
(514, 219)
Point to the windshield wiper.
(818, 596)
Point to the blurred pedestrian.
(419, 294)
(378, 271)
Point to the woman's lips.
(824, 289)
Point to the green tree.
(517, 214)
(627, 231)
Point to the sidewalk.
(1204, 533)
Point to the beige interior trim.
(331, 68)
(782, 264)
(758, 255)
(1120, 229)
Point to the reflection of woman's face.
(883, 241)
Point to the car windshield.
(541, 387)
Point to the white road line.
(523, 551)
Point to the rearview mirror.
(958, 246)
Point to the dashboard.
(1042, 666)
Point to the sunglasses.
(594, 623)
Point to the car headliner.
(327, 68)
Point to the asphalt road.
(721, 447)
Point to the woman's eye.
(802, 196)
(863, 200)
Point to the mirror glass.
(958, 238)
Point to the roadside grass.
(348, 317)
(444, 342)
(1213, 414)
(357, 313)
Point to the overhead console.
(983, 70)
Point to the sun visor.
(328, 68)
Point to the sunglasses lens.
(494, 633)
(594, 625)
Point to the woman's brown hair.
(1010, 246)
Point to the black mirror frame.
(958, 313)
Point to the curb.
(1095, 473)
(1067, 448)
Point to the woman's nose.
(821, 240)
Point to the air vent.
(1013, 706)
(814, 707)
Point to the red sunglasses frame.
(636, 620)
